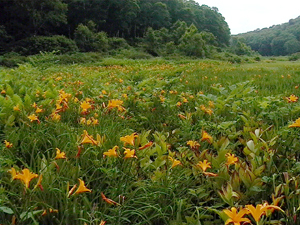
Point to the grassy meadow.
(151, 141)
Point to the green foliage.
(37, 44)
(277, 40)
(117, 43)
(238, 47)
(89, 41)
(165, 105)
(12, 59)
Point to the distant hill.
(283, 39)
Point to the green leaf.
(6, 210)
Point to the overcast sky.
(243, 16)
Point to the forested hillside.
(91, 22)
(277, 40)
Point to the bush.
(76, 58)
(89, 41)
(117, 43)
(37, 44)
(132, 54)
(12, 59)
(294, 57)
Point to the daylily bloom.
(85, 106)
(231, 159)
(55, 116)
(211, 104)
(296, 124)
(292, 98)
(88, 139)
(38, 110)
(59, 154)
(50, 211)
(150, 143)
(82, 187)
(236, 218)
(193, 144)
(181, 116)
(8, 144)
(115, 103)
(209, 111)
(260, 210)
(112, 152)
(129, 139)
(209, 174)
(203, 165)
(178, 104)
(102, 222)
(3, 92)
(26, 176)
(39, 183)
(108, 200)
(13, 173)
(206, 137)
(175, 162)
(33, 117)
(129, 153)
(17, 108)
(72, 189)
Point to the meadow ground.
(150, 142)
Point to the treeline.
(277, 40)
(157, 26)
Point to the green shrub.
(75, 58)
(294, 57)
(12, 59)
(117, 43)
(132, 54)
(37, 44)
(89, 41)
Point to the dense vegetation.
(149, 142)
(277, 40)
(30, 26)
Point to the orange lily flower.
(13, 173)
(85, 106)
(88, 139)
(203, 165)
(26, 176)
(292, 98)
(231, 159)
(296, 124)
(193, 144)
(102, 222)
(108, 200)
(16, 108)
(116, 103)
(206, 137)
(33, 117)
(175, 162)
(129, 153)
(60, 155)
(236, 218)
(149, 144)
(8, 144)
(82, 188)
(129, 139)
(112, 152)
(260, 210)
(39, 183)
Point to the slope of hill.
(283, 39)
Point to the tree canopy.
(129, 19)
(276, 40)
